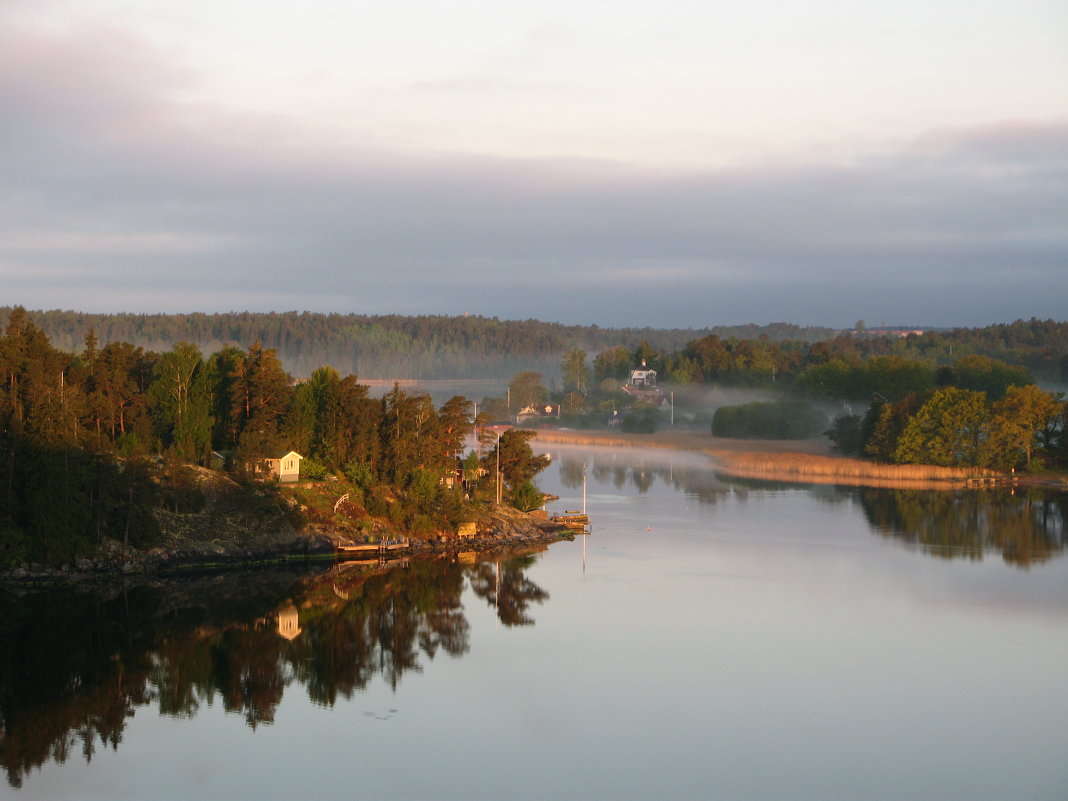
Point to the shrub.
(769, 420)
(310, 468)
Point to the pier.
(573, 521)
(372, 549)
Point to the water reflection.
(643, 473)
(1025, 525)
(76, 664)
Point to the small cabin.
(284, 468)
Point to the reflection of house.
(288, 622)
(537, 412)
(284, 468)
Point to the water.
(710, 639)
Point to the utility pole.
(498, 482)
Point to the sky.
(633, 163)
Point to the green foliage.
(640, 421)
(526, 389)
(575, 373)
(424, 487)
(769, 420)
(313, 469)
(984, 374)
(181, 394)
(951, 429)
(360, 474)
(613, 364)
(518, 464)
(845, 433)
(883, 425)
(526, 497)
(1024, 420)
(890, 377)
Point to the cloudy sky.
(683, 163)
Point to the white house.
(284, 468)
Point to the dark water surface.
(711, 639)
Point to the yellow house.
(284, 468)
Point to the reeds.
(786, 464)
(807, 464)
(840, 470)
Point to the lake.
(711, 638)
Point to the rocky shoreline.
(199, 542)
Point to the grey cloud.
(173, 205)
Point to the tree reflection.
(697, 481)
(504, 585)
(1024, 526)
(76, 666)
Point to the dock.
(372, 549)
(572, 520)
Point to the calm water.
(712, 639)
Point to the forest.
(92, 441)
(93, 437)
(442, 347)
(384, 346)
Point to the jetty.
(372, 549)
(573, 520)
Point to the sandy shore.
(803, 461)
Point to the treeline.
(1038, 346)
(443, 347)
(385, 346)
(1023, 428)
(85, 436)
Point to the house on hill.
(642, 386)
(284, 468)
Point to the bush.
(640, 421)
(769, 420)
(527, 497)
(310, 468)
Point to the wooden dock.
(572, 520)
(373, 549)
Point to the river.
(710, 639)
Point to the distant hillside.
(387, 346)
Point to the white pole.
(498, 468)
(583, 488)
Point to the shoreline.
(314, 544)
(799, 461)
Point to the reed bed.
(800, 467)
(796, 461)
(805, 465)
